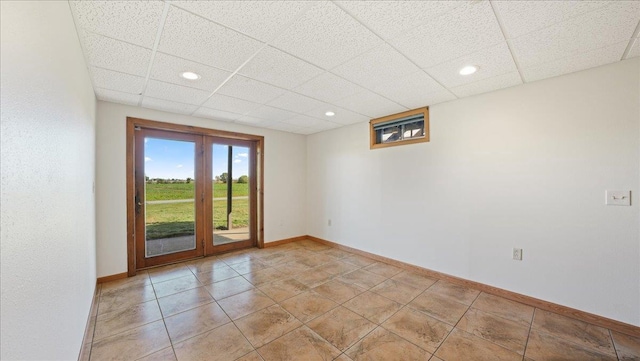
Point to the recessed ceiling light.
(329, 113)
(468, 70)
(189, 75)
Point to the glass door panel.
(170, 197)
(168, 224)
(231, 204)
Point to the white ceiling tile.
(328, 87)
(131, 21)
(326, 36)
(230, 104)
(487, 85)
(251, 90)
(635, 49)
(384, 61)
(117, 97)
(253, 121)
(259, 19)
(321, 128)
(116, 55)
(607, 25)
(433, 99)
(370, 104)
(492, 61)
(279, 68)
(590, 59)
(414, 91)
(522, 17)
(463, 30)
(295, 102)
(308, 131)
(311, 122)
(342, 116)
(168, 68)
(168, 106)
(392, 18)
(176, 93)
(114, 80)
(192, 37)
(283, 127)
(368, 78)
(216, 114)
(271, 113)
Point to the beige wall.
(284, 183)
(47, 221)
(524, 167)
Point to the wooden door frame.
(132, 123)
(210, 247)
(140, 198)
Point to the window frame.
(391, 118)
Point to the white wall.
(48, 262)
(524, 167)
(284, 183)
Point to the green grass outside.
(161, 192)
(177, 219)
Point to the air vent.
(403, 128)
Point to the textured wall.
(524, 167)
(47, 216)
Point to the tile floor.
(307, 301)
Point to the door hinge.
(202, 197)
(202, 242)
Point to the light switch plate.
(618, 198)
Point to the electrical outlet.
(618, 198)
(517, 254)
(329, 223)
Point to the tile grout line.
(494, 315)
(452, 328)
(95, 323)
(575, 344)
(332, 278)
(390, 317)
(366, 290)
(187, 310)
(275, 303)
(526, 344)
(305, 324)
(166, 329)
(613, 343)
(232, 321)
(144, 324)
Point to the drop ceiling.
(283, 64)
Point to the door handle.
(138, 203)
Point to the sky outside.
(175, 159)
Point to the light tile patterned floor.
(307, 301)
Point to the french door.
(231, 212)
(193, 195)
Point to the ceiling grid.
(506, 38)
(163, 19)
(283, 64)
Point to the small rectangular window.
(403, 128)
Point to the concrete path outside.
(191, 200)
